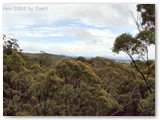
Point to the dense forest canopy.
(46, 85)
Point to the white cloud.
(99, 45)
(89, 41)
(135, 31)
(36, 35)
(81, 33)
(22, 34)
(78, 48)
(96, 14)
(97, 32)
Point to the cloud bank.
(69, 29)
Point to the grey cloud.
(105, 14)
(97, 14)
(81, 34)
(95, 42)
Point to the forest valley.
(51, 85)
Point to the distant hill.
(58, 57)
(53, 56)
(123, 61)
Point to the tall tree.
(139, 44)
(147, 12)
(10, 44)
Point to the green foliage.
(124, 42)
(78, 87)
(144, 89)
(82, 59)
(146, 37)
(9, 45)
(77, 71)
(147, 106)
(15, 62)
(151, 83)
(37, 68)
(22, 114)
(45, 59)
(97, 86)
(147, 12)
(138, 45)
(51, 85)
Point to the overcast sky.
(69, 29)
